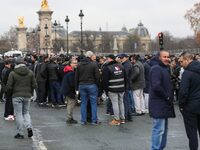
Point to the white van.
(13, 53)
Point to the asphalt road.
(52, 133)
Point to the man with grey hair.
(189, 97)
(87, 79)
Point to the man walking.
(21, 83)
(189, 98)
(160, 101)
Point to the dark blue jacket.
(189, 93)
(160, 93)
(68, 83)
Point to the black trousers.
(41, 92)
(192, 127)
(8, 105)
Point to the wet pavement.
(52, 133)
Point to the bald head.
(164, 57)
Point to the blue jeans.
(55, 92)
(128, 103)
(159, 134)
(88, 93)
(21, 109)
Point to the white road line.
(38, 140)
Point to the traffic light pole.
(160, 38)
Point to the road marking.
(38, 140)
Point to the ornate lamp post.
(81, 15)
(27, 40)
(33, 40)
(67, 21)
(38, 31)
(46, 38)
(55, 44)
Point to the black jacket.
(87, 72)
(114, 77)
(189, 93)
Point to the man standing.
(114, 86)
(87, 79)
(68, 89)
(137, 84)
(189, 98)
(160, 101)
(128, 94)
(21, 83)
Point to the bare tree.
(193, 17)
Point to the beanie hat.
(111, 56)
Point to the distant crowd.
(130, 85)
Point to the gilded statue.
(44, 4)
(21, 22)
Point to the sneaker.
(18, 136)
(30, 132)
(115, 122)
(71, 121)
(122, 121)
(7, 118)
(10, 118)
(96, 123)
(83, 123)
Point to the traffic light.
(160, 38)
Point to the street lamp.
(33, 33)
(46, 37)
(27, 40)
(55, 44)
(67, 21)
(38, 32)
(81, 15)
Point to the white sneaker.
(10, 118)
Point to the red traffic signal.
(160, 38)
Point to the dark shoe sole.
(30, 132)
(19, 136)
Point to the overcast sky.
(156, 15)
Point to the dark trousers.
(2, 92)
(192, 127)
(42, 92)
(128, 105)
(8, 106)
(89, 112)
(56, 97)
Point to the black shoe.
(137, 114)
(18, 136)
(30, 132)
(71, 121)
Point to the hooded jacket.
(189, 92)
(68, 83)
(21, 82)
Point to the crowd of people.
(130, 85)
